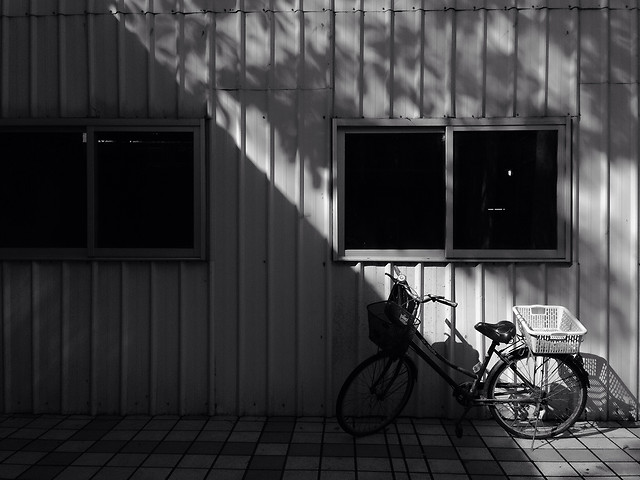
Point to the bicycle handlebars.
(402, 279)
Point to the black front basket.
(391, 327)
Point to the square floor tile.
(267, 462)
(373, 464)
(127, 459)
(222, 474)
(446, 466)
(57, 434)
(238, 448)
(119, 435)
(188, 474)
(611, 455)
(519, 468)
(24, 458)
(556, 469)
(231, 462)
(367, 450)
(144, 435)
(187, 424)
(576, 455)
(302, 463)
(262, 475)
(114, 473)
(77, 473)
(59, 458)
(205, 448)
(74, 446)
(334, 475)
(90, 458)
(196, 461)
(41, 472)
(625, 468)
(272, 449)
(338, 450)
(12, 471)
(139, 446)
(337, 463)
(299, 475)
(106, 446)
(150, 473)
(172, 447)
(162, 460)
(212, 436)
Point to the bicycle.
(529, 394)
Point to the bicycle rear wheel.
(549, 402)
(375, 393)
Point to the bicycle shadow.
(457, 350)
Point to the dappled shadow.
(288, 324)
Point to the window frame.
(564, 188)
(90, 127)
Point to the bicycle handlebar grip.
(451, 303)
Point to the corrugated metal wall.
(269, 324)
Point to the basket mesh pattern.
(549, 328)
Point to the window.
(102, 190)
(438, 191)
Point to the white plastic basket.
(549, 328)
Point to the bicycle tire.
(375, 393)
(557, 399)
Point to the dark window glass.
(505, 194)
(394, 190)
(43, 188)
(144, 189)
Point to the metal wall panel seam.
(391, 85)
(35, 351)
(62, 65)
(120, 62)
(242, 174)
(124, 334)
(209, 225)
(299, 196)
(485, 40)
(182, 387)
(152, 61)
(607, 206)
(33, 65)
(546, 60)
(328, 225)
(270, 177)
(152, 380)
(3, 75)
(637, 220)
(91, 62)
(3, 338)
(93, 394)
(180, 84)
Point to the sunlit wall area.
(286, 110)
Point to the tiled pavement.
(46, 447)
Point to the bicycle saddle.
(501, 332)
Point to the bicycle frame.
(470, 397)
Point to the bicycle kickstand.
(458, 428)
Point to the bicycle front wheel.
(375, 393)
(536, 396)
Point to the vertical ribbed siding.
(269, 324)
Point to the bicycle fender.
(574, 360)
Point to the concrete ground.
(47, 447)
